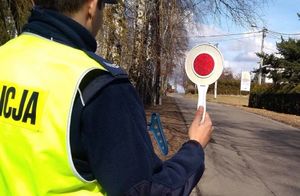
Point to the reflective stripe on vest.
(39, 79)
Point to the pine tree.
(284, 67)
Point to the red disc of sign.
(204, 64)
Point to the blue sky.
(279, 16)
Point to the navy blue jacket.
(109, 138)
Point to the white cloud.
(238, 51)
(246, 56)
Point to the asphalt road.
(248, 155)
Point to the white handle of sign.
(202, 90)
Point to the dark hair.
(69, 6)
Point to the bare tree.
(155, 38)
(20, 12)
(13, 15)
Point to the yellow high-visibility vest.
(39, 79)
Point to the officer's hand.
(201, 132)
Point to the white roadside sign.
(245, 81)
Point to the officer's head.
(88, 13)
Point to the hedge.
(285, 99)
(227, 87)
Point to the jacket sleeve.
(120, 152)
(178, 176)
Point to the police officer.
(72, 124)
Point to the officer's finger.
(207, 119)
(198, 115)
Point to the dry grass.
(173, 124)
(229, 99)
(289, 119)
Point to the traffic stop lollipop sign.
(203, 66)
